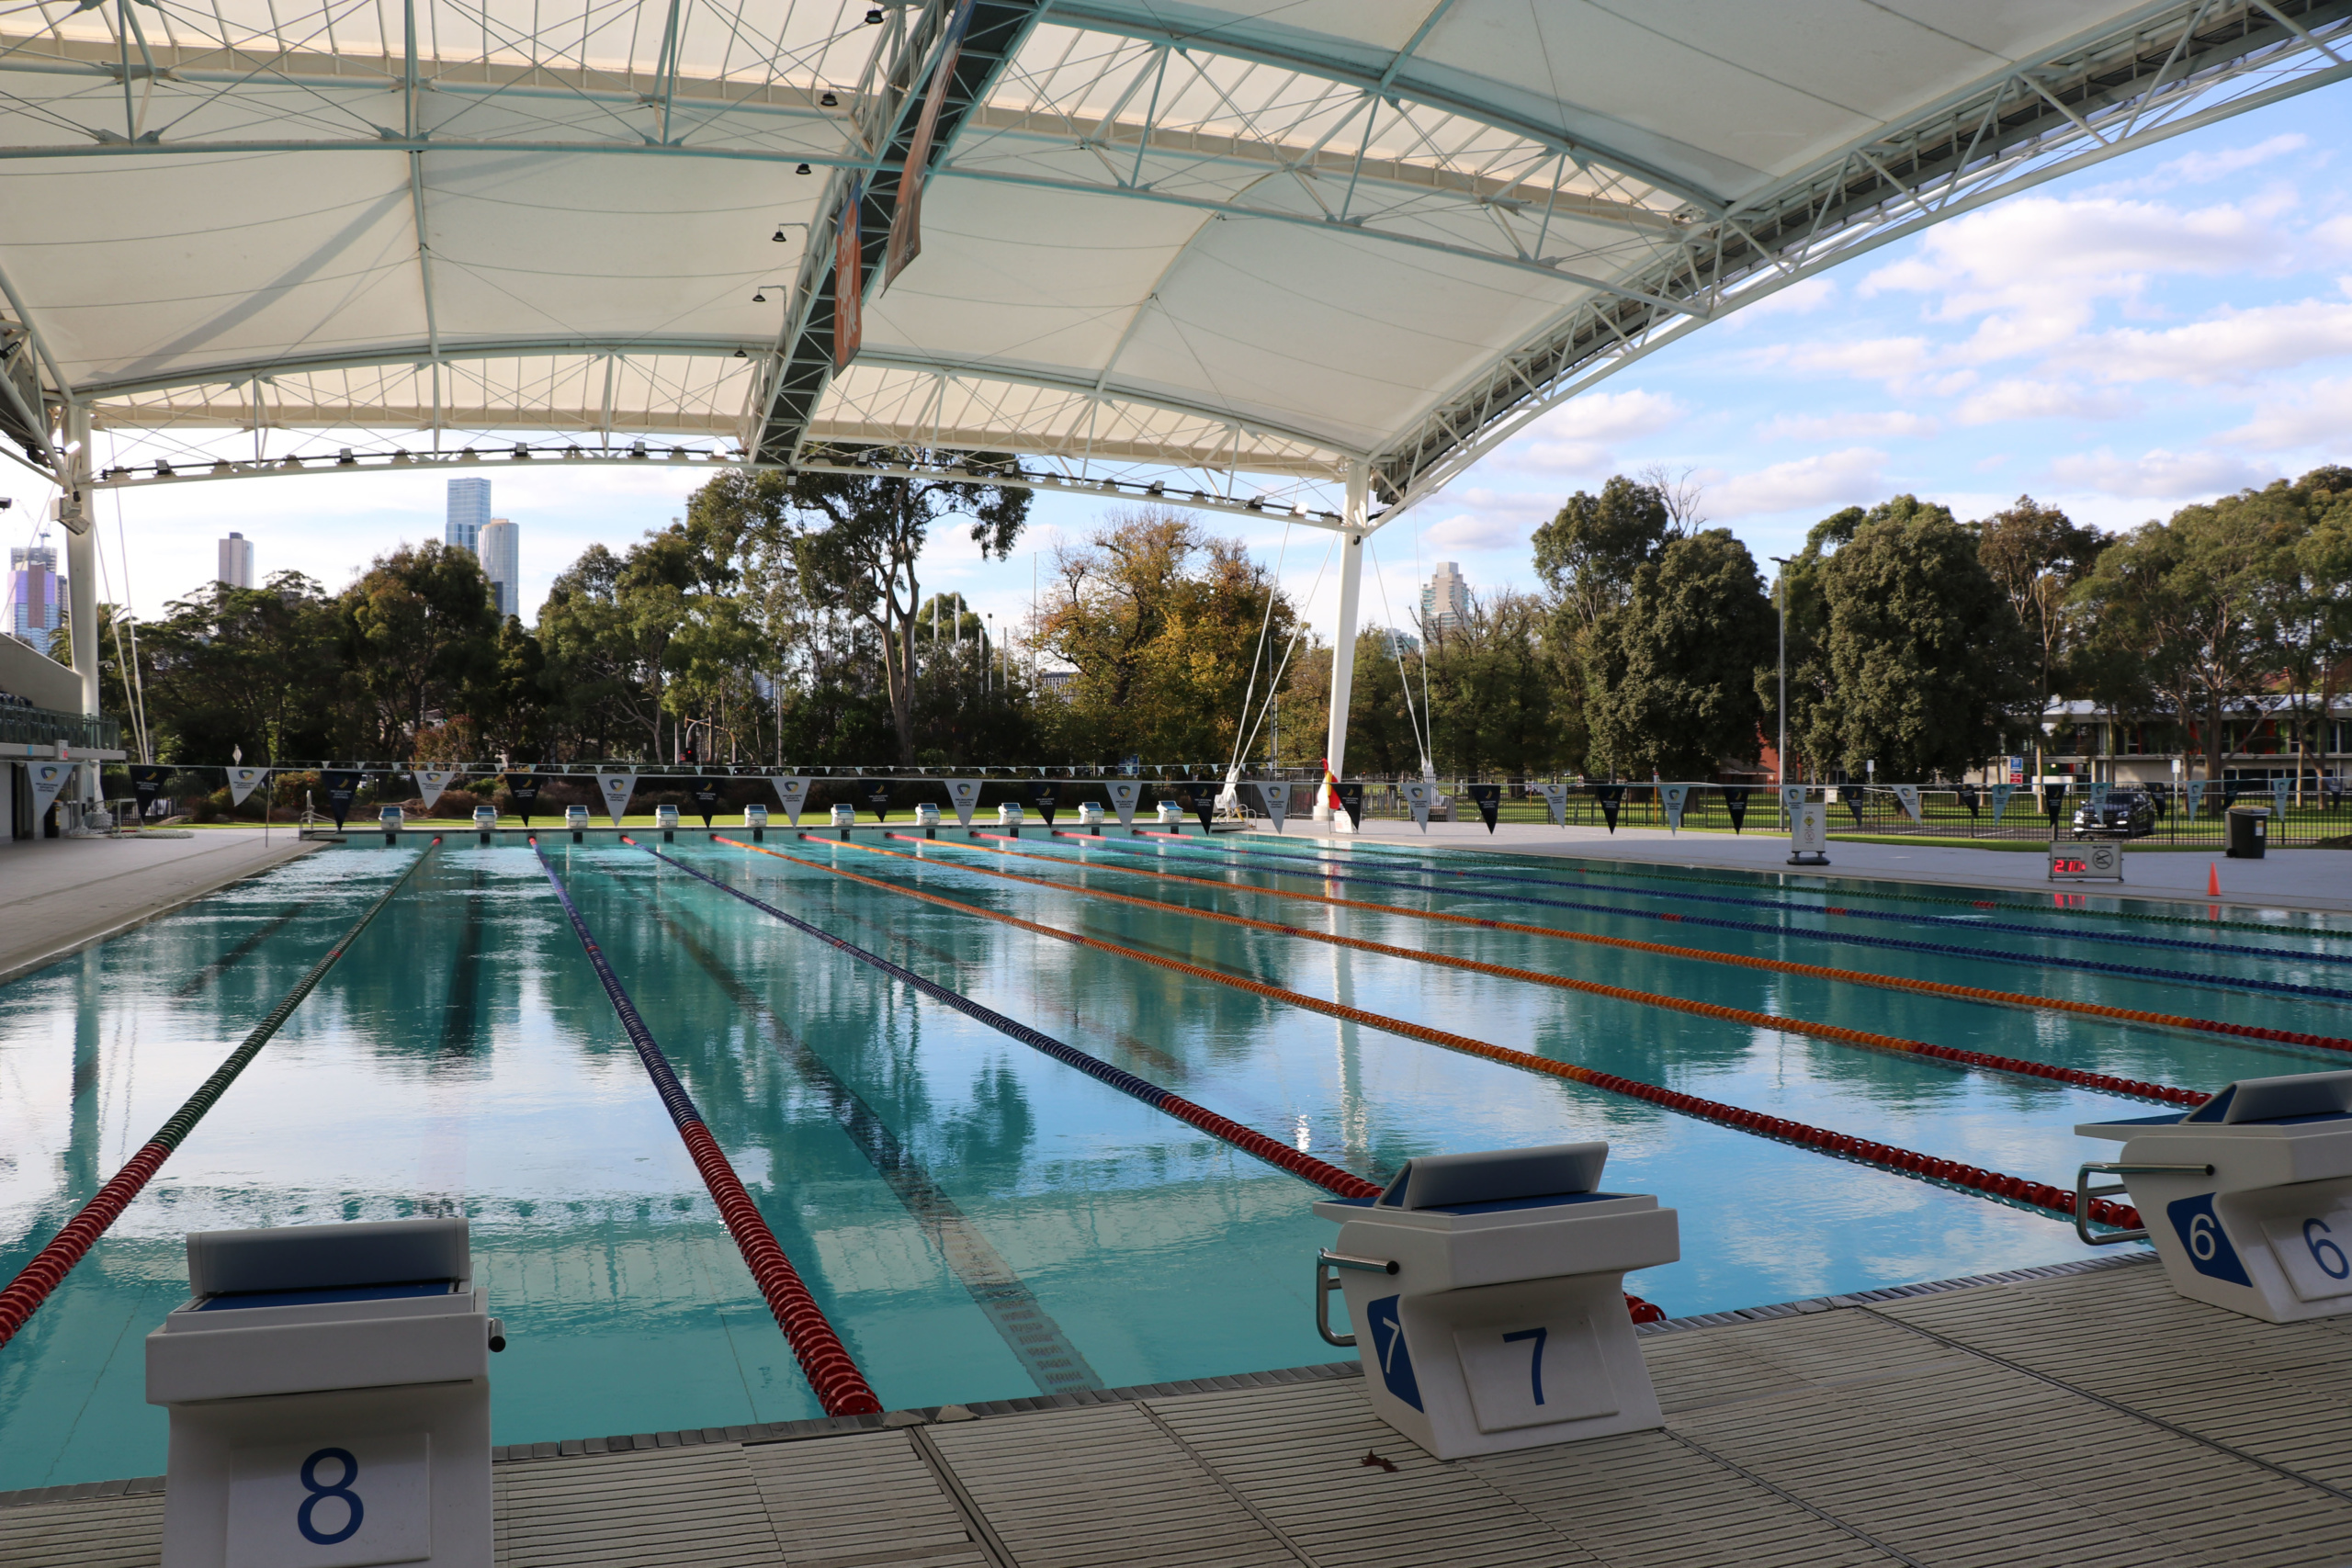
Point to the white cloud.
(1470, 532)
(2225, 347)
(2197, 168)
(2023, 398)
(2159, 474)
(1801, 298)
(1576, 437)
(2290, 417)
(1895, 361)
(1847, 475)
(1888, 424)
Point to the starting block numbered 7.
(2248, 1199)
(1488, 1294)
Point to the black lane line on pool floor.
(240, 952)
(1268, 863)
(457, 1033)
(1053, 1362)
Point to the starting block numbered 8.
(2086, 862)
(1487, 1291)
(2246, 1199)
(330, 1400)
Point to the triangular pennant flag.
(1736, 802)
(1908, 795)
(2098, 797)
(703, 794)
(2280, 789)
(616, 786)
(47, 779)
(241, 782)
(146, 784)
(877, 800)
(1274, 800)
(791, 793)
(341, 789)
(1046, 798)
(1792, 798)
(1351, 802)
(1969, 800)
(2001, 794)
(964, 795)
(1555, 800)
(1850, 797)
(524, 787)
(1126, 796)
(1490, 800)
(1610, 796)
(1674, 796)
(1203, 796)
(1417, 796)
(2053, 803)
(431, 782)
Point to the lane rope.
(2012, 1190)
(2161, 1094)
(825, 1361)
(1742, 961)
(1281, 1156)
(1899, 944)
(50, 1266)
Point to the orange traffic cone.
(2213, 880)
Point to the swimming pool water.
(939, 1184)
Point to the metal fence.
(23, 726)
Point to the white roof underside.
(1266, 239)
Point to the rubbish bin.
(329, 1393)
(1488, 1291)
(2249, 827)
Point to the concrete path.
(57, 894)
(2285, 879)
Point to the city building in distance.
(469, 513)
(36, 594)
(1445, 602)
(236, 561)
(496, 549)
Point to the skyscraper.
(36, 596)
(468, 513)
(1445, 602)
(497, 550)
(237, 561)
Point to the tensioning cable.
(1298, 1162)
(2161, 1094)
(1268, 862)
(50, 1266)
(1736, 960)
(2012, 1190)
(826, 1362)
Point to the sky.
(2167, 326)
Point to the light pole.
(1780, 752)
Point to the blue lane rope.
(1937, 949)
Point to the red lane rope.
(2161, 1094)
(38, 1278)
(1884, 1157)
(826, 1362)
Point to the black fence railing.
(23, 726)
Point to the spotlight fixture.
(163, 470)
(636, 450)
(742, 355)
(522, 453)
(400, 455)
(344, 459)
(801, 170)
(759, 299)
(219, 470)
(778, 237)
(467, 455)
(874, 16)
(829, 101)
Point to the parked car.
(2126, 814)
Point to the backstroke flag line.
(1674, 794)
(1126, 794)
(1417, 796)
(1555, 800)
(617, 788)
(964, 795)
(792, 793)
(241, 782)
(431, 782)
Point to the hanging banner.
(1490, 802)
(1045, 797)
(1674, 796)
(1126, 796)
(2280, 789)
(1907, 797)
(1273, 799)
(146, 784)
(848, 279)
(1736, 802)
(964, 795)
(2098, 797)
(1417, 796)
(1199, 797)
(431, 782)
(2195, 790)
(2001, 794)
(1850, 797)
(906, 221)
(47, 779)
(1612, 797)
(1351, 802)
(1555, 800)
(877, 800)
(792, 794)
(523, 789)
(617, 788)
(703, 796)
(241, 782)
(1968, 800)
(341, 788)
(2053, 803)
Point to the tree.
(872, 527)
(1806, 608)
(1927, 663)
(1671, 673)
(2037, 553)
(420, 630)
(1493, 706)
(1588, 554)
(256, 670)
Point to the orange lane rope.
(1745, 961)
(1885, 1156)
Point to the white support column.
(78, 519)
(1343, 647)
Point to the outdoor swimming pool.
(980, 1220)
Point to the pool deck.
(2076, 1414)
(2284, 879)
(58, 895)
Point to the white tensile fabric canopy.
(1306, 257)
